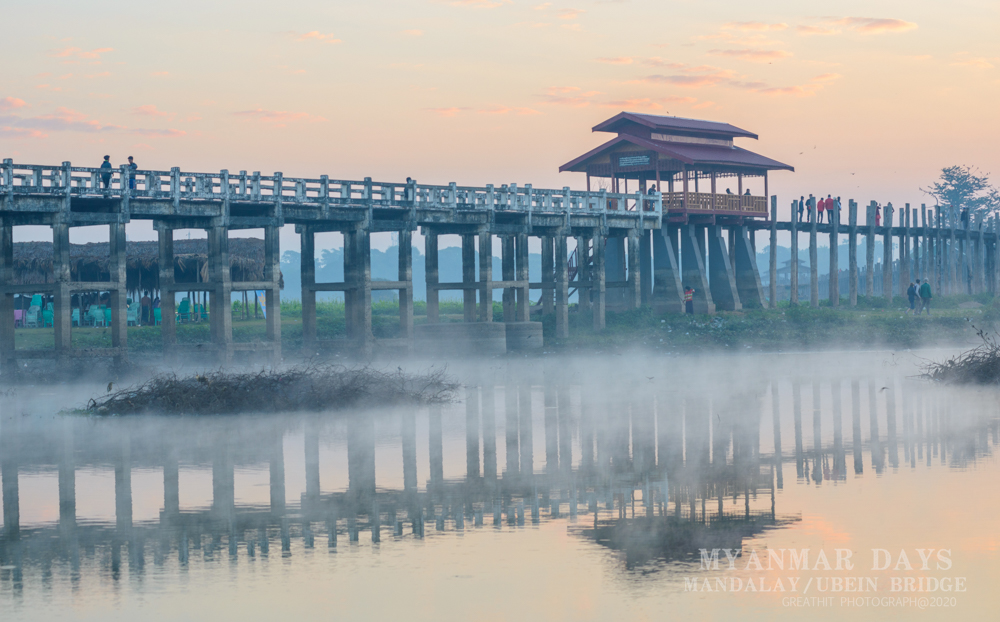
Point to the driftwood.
(312, 387)
(981, 365)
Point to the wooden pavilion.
(679, 153)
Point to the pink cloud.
(572, 96)
(618, 60)
(875, 25)
(149, 110)
(570, 13)
(315, 35)
(69, 120)
(277, 117)
(497, 110)
(752, 55)
(815, 30)
(17, 132)
(413, 32)
(12, 103)
(647, 103)
(754, 26)
(446, 112)
(75, 52)
(480, 4)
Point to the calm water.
(554, 490)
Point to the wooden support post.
(220, 309)
(168, 307)
(431, 275)
(562, 287)
(62, 313)
(793, 274)
(954, 259)
(521, 266)
(597, 279)
(773, 254)
(925, 251)
(633, 297)
(833, 217)
(119, 292)
(583, 272)
(852, 252)
(272, 295)
(6, 300)
(915, 254)
(485, 276)
(870, 252)
(904, 247)
(813, 256)
(645, 265)
(887, 254)
(405, 275)
(361, 259)
(548, 274)
(469, 277)
(508, 274)
(307, 266)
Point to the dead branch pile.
(314, 387)
(980, 365)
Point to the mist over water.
(563, 488)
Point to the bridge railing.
(176, 185)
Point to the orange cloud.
(11, 103)
(17, 132)
(150, 110)
(753, 26)
(506, 110)
(815, 30)
(572, 96)
(647, 103)
(414, 32)
(755, 56)
(278, 117)
(976, 63)
(446, 112)
(875, 25)
(692, 81)
(618, 60)
(480, 4)
(74, 52)
(569, 13)
(315, 35)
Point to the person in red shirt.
(820, 206)
(878, 215)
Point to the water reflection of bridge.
(643, 454)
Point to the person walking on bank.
(925, 296)
(911, 296)
(689, 300)
(106, 177)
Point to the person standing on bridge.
(689, 300)
(878, 215)
(820, 207)
(106, 177)
(132, 167)
(802, 206)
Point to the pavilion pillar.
(357, 251)
(272, 295)
(307, 244)
(469, 277)
(870, 252)
(693, 269)
(598, 277)
(220, 312)
(887, 254)
(548, 274)
(521, 267)
(62, 318)
(668, 293)
(561, 287)
(748, 286)
(508, 275)
(813, 256)
(793, 269)
(431, 275)
(405, 276)
(633, 295)
(168, 326)
(645, 265)
(721, 279)
(852, 252)
(119, 293)
(583, 273)
(485, 276)
(6, 299)
(773, 255)
(834, 217)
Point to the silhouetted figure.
(689, 300)
(132, 167)
(106, 177)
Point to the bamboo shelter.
(92, 262)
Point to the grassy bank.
(871, 324)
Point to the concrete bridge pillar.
(834, 218)
(646, 266)
(168, 327)
(220, 312)
(485, 277)
(119, 293)
(508, 274)
(583, 273)
(548, 274)
(887, 253)
(469, 277)
(668, 293)
(813, 256)
(272, 277)
(721, 278)
(598, 276)
(431, 275)
(748, 285)
(870, 252)
(615, 273)
(406, 277)
(633, 295)
(852, 252)
(6, 299)
(358, 297)
(521, 265)
(61, 307)
(693, 272)
(561, 287)
(307, 245)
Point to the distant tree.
(964, 187)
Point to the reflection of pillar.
(817, 434)
(526, 428)
(890, 424)
(874, 442)
(643, 433)
(511, 425)
(551, 427)
(67, 478)
(489, 431)
(9, 450)
(312, 461)
(223, 484)
(670, 433)
(277, 467)
(565, 435)
(123, 484)
(171, 485)
(436, 445)
(776, 425)
(472, 432)
(361, 456)
(839, 455)
(409, 425)
(797, 417)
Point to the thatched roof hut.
(91, 262)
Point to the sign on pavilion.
(695, 163)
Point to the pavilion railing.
(708, 202)
(177, 185)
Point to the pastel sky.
(867, 102)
